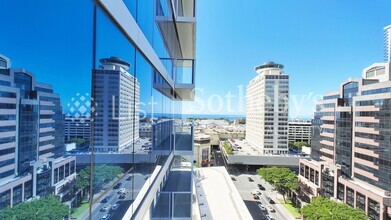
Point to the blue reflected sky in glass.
(52, 39)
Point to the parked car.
(255, 196)
(122, 196)
(106, 217)
(269, 217)
(106, 208)
(122, 190)
(270, 200)
(233, 178)
(250, 179)
(115, 206)
(270, 209)
(261, 187)
(129, 178)
(262, 207)
(106, 199)
(117, 186)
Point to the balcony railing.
(185, 8)
(184, 139)
(184, 71)
(173, 205)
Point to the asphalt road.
(218, 158)
(245, 187)
(136, 183)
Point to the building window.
(302, 169)
(373, 209)
(360, 201)
(340, 191)
(5, 199)
(350, 196)
(312, 175)
(17, 195)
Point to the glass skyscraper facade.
(156, 38)
(31, 138)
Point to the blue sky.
(320, 43)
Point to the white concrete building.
(387, 44)
(267, 109)
(116, 124)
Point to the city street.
(245, 187)
(136, 183)
(218, 158)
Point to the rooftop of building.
(115, 61)
(215, 190)
(243, 147)
(141, 146)
(200, 136)
(269, 64)
(300, 122)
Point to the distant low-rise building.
(145, 130)
(217, 133)
(299, 131)
(77, 128)
(202, 149)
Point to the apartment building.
(351, 153)
(267, 109)
(31, 139)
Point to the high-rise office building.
(267, 109)
(31, 139)
(117, 101)
(5, 63)
(387, 44)
(351, 146)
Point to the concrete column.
(12, 196)
(23, 191)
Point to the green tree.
(322, 208)
(102, 174)
(46, 208)
(83, 178)
(227, 148)
(298, 145)
(283, 179)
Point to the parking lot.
(246, 187)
